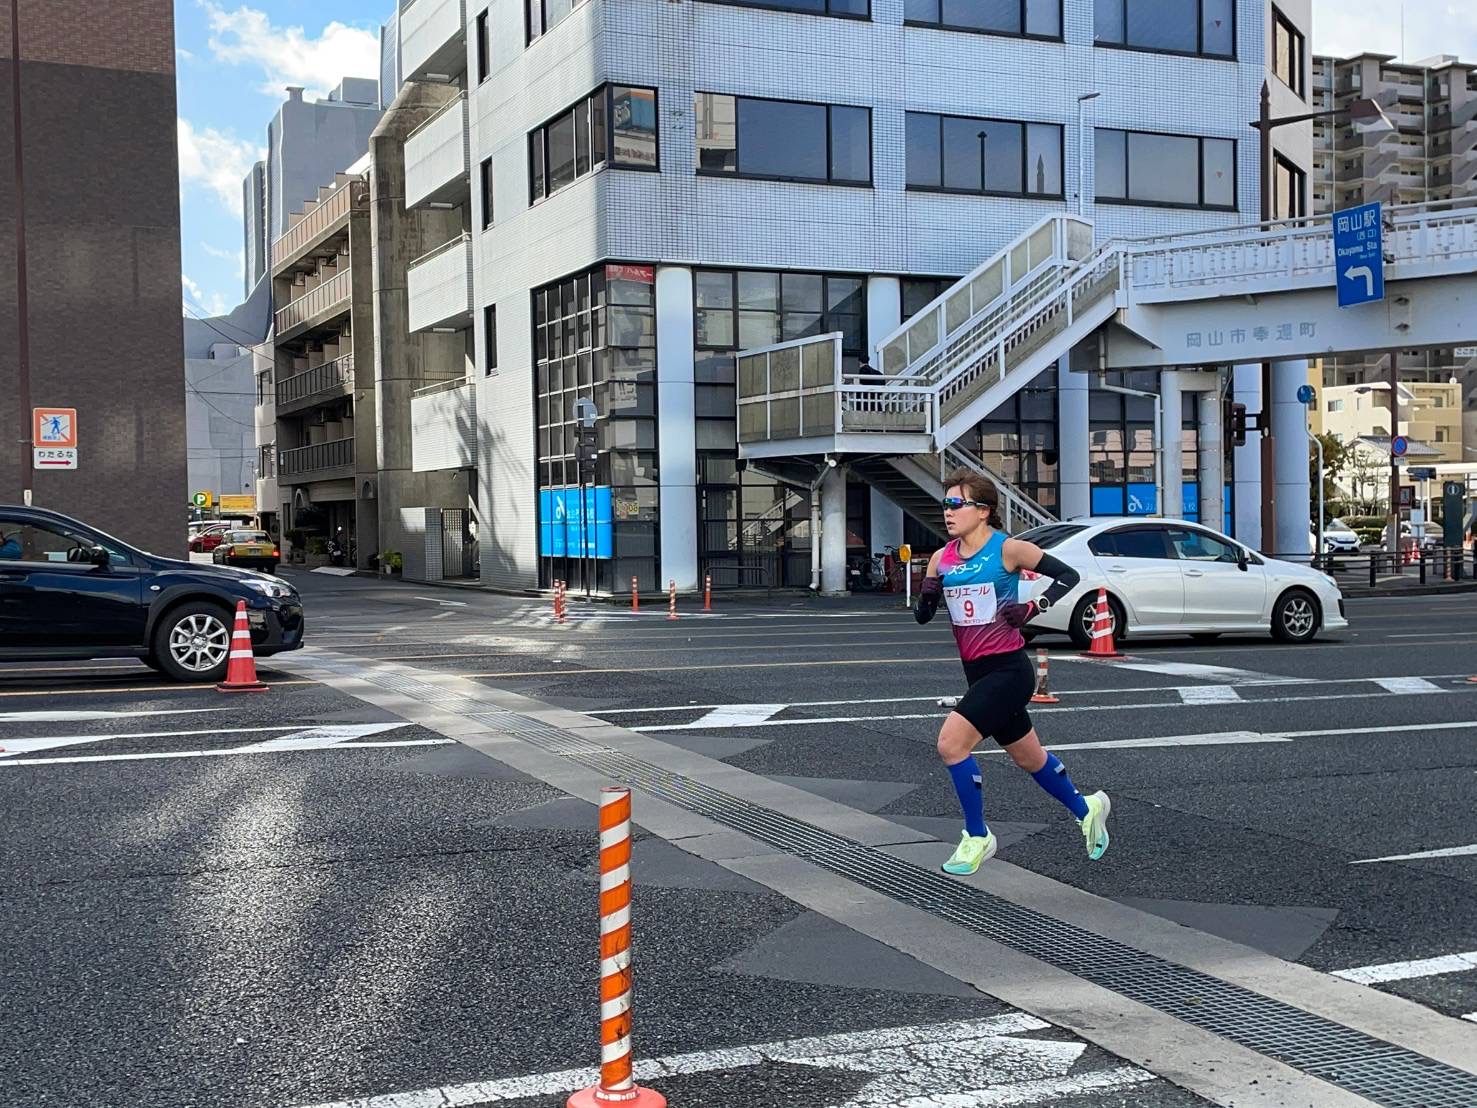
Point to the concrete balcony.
(320, 224)
(438, 157)
(439, 287)
(325, 382)
(443, 426)
(316, 306)
(324, 461)
(433, 39)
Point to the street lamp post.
(1082, 150)
(23, 381)
(1364, 113)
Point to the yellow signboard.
(238, 504)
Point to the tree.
(1337, 457)
(1369, 476)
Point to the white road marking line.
(1407, 685)
(13, 747)
(84, 716)
(1225, 674)
(443, 603)
(1445, 852)
(1209, 694)
(1471, 1016)
(1410, 971)
(964, 1064)
(315, 738)
(1220, 738)
(739, 715)
(164, 756)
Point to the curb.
(1413, 590)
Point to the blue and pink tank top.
(974, 590)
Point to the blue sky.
(235, 59)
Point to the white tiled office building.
(650, 185)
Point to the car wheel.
(1295, 617)
(1205, 636)
(193, 642)
(1079, 627)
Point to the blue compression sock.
(1053, 778)
(969, 787)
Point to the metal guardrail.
(1379, 567)
(338, 373)
(352, 194)
(312, 459)
(336, 290)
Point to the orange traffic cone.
(241, 669)
(1102, 630)
(1042, 695)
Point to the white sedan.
(1170, 577)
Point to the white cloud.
(237, 256)
(289, 55)
(1431, 27)
(217, 161)
(197, 303)
(184, 55)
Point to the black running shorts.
(1000, 687)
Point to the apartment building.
(323, 358)
(1431, 156)
(649, 188)
(94, 323)
(1430, 415)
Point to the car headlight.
(268, 587)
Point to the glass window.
(1138, 542)
(544, 14)
(783, 139)
(561, 152)
(1198, 546)
(633, 127)
(857, 8)
(1138, 167)
(27, 542)
(1041, 18)
(984, 155)
(484, 53)
(538, 183)
(1287, 53)
(489, 331)
(1171, 26)
(485, 179)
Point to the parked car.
(248, 550)
(1431, 540)
(207, 539)
(68, 590)
(1171, 577)
(1339, 538)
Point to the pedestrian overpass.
(1233, 296)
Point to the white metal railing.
(437, 152)
(439, 285)
(352, 194)
(1020, 511)
(337, 290)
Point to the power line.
(206, 319)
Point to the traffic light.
(1237, 423)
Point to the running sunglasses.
(953, 502)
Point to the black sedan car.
(68, 590)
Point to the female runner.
(977, 575)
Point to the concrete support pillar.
(1247, 389)
(1212, 458)
(1073, 438)
(1290, 427)
(676, 425)
(1171, 468)
(833, 532)
(884, 313)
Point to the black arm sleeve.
(1063, 578)
(928, 599)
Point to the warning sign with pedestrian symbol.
(54, 438)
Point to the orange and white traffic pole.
(635, 597)
(707, 592)
(558, 601)
(671, 599)
(617, 1083)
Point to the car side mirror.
(99, 557)
(1243, 560)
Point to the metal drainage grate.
(1369, 1067)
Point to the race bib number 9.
(970, 605)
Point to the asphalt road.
(299, 898)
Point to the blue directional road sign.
(1359, 255)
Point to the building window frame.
(598, 108)
(483, 46)
(781, 7)
(1298, 179)
(829, 179)
(940, 25)
(536, 18)
(1198, 52)
(1200, 141)
(489, 340)
(1024, 125)
(1297, 78)
(484, 181)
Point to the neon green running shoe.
(1095, 824)
(971, 853)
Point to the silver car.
(1172, 577)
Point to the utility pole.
(1269, 455)
(23, 384)
(1394, 513)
